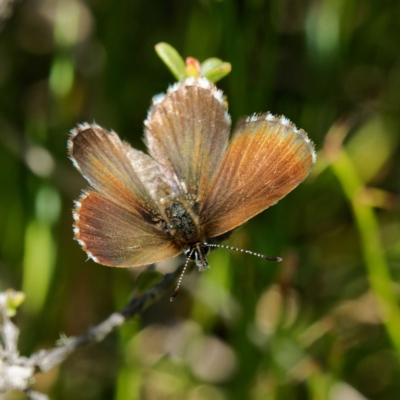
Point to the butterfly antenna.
(276, 259)
(172, 298)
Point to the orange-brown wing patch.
(114, 236)
(266, 159)
(102, 159)
(187, 132)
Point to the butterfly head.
(198, 252)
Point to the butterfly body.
(194, 184)
(183, 223)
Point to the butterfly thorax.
(184, 226)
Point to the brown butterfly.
(194, 184)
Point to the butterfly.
(195, 182)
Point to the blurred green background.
(324, 323)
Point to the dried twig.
(17, 372)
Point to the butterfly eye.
(198, 252)
(189, 254)
(205, 248)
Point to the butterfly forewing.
(101, 158)
(187, 133)
(266, 159)
(115, 236)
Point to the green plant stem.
(377, 268)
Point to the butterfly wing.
(119, 223)
(187, 132)
(113, 235)
(266, 159)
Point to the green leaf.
(215, 69)
(172, 59)
(210, 64)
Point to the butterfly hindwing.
(266, 159)
(115, 236)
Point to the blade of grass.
(377, 268)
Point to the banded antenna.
(172, 298)
(275, 259)
(189, 255)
